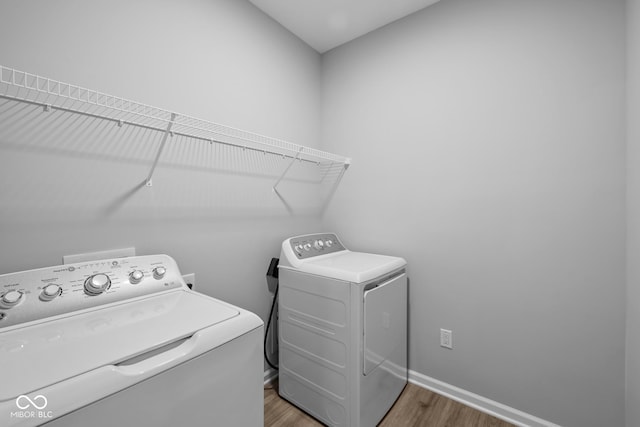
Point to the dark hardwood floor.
(415, 407)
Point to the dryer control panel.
(312, 245)
(31, 295)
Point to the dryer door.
(385, 323)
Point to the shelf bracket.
(287, 170)
(333, 189)
(167, 133)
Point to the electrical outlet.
(190, 279)
(446, 338)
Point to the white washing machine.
(342, 330)
(124, 342)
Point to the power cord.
(272, 281)
(266, 334)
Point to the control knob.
(307, 247)
(318, 244)
(159, 272)
(136, 277)
(50, 292)
(328, 243)
(96, 284)
(11, 298)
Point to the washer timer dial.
(97, 284)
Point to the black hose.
(266, 334)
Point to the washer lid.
(41, 355)
(356, 267)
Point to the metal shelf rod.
(49, 107)
(121, 122)
(99, 105)
(244, 147)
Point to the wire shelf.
(52, 94)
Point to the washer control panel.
(36, 294)
(315, 244)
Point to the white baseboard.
(488, 406)
(269, 375)
(480, 403)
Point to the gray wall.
(488, 143)
(633, 214)
(71, 185)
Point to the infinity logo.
(30, 402)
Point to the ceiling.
(325, 24)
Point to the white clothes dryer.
(342, 330)
(124, 342)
